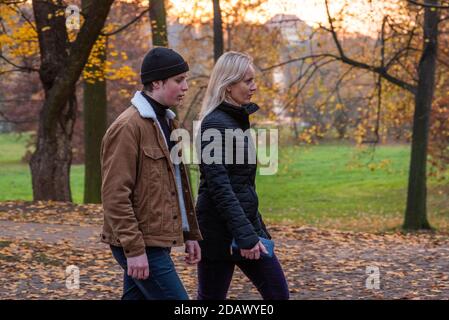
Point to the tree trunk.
(416, 211)
(218, 31)
(158, 20)
(229, 37)
(61, 66)
(95, 123)
(50, 163)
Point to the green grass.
(331, 180)
(12, 147)
(344, 186)
(331, 185)
(15, 177)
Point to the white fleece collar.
(145, 109)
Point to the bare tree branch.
(312, 56)
(428, 5)
(380, 70)
(10, 71)
(8, 120)
(24, 68)
(13, 2)
(192, 104)
(302, 74)
(126, 25)
(18, 10)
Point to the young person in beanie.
(148, 207)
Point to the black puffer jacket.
(227, 205)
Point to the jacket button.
(175, 217)
(173, 193)
(127, 251)
(174, 241)
(103, 236)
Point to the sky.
(363, 16)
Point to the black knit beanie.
(161, 63)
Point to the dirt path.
(319, 264)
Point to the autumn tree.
(97, 72)
(158, 21)
(95, 117)
(397, 58)
(19, 63)
(218, 30)
(62, 57)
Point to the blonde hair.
(229, 69)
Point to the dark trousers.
(214, 278)
(163, 282)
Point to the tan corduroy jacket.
(139, 193)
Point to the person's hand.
(254, 253)
(193, 251)
(138, 267)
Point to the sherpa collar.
(145, 109)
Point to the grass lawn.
(345, 187)
(332, 185)
(15, 177)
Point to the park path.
(84, 236)
(319, 264)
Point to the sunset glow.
(360, 16)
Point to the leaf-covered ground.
(39, 240)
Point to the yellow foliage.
(103, 61)
(21, 38)
(124, 72)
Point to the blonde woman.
(227, 205)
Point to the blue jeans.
(163, 282)
(214, 278)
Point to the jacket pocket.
(153, 153)
(154, 163)
(155, 174)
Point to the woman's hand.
(254, 253)
(193, 251)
